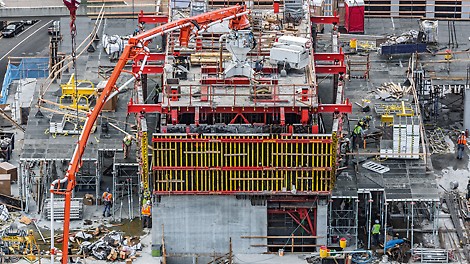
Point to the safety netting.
(27, 68)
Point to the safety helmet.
(376, 221)
(148, 202)
(361, 123)
(463, 132)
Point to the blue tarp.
(403, 48)
(28, 68)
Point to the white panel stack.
(406, 140)
(76, 208)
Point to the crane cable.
(73, 34)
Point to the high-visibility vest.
(376, 229)
(357, 130)
(462, 140)
(146, 210)
(107, 196)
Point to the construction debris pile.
(410, 36)
(437, 143)
(393, 90)
(111, 246)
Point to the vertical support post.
(407, 220)
(369, 228)
(356, 209)
(20, 181)
(412, 224)
(52, 252)
(114, 184)
(98, 177)
(436, 221)
(385, 224)
(330, 220)
(292, 243)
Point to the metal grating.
(375, 167)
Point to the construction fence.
(23, 68)
(243, 163)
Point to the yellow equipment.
(17, 242)
(81, 96)
(31, 247)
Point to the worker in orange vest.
(147, 215)
(107, 201)
(461, 142)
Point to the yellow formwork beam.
(244, 162)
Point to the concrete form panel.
(203, 225)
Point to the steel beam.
(152, 19)
(241, 168)
(208, 69)
(144, 108)
(152, 108)
(158, 108)
(241, 140)
(336, 108)
(151, 57)
(330, 69)
(309, 193)
(148, 69)
(328, 57)
(324, 19)
(236, 81)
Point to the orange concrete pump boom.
(237, 16)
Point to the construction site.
(214, 131)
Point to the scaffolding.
(358, 67)
(343, 220)
(126, 184)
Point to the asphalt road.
(32, 42)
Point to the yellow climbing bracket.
(79, 97)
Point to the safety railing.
(232, 95)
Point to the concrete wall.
(322, 222)
(204, 224)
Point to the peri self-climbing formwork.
(185, 163)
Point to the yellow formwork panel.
(216, 163)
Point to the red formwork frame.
(299, 215)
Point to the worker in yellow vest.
(126, 145)
(107, 201)
(376, 233)
(461, 142)
(147, 215)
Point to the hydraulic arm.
(137, 45)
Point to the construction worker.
(146, 197)
(365, 122)
(357, 133)
(107, 201)
(147, 215)
(376, 233)
(126, 145)
(461, 142)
